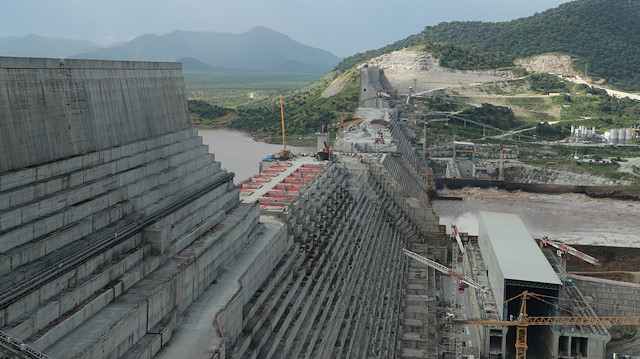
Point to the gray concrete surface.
(52, 109)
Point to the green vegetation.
(553, 132)
(601, 43)
(467, 58)
(203, 112)
(594, 107)
(546, 83)
(630, 334)
(304, 109)
(235, 89)
(251, 102)
(498, 116)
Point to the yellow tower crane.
(285, 154)
(523, 321)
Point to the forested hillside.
(604, 36)
(603, 33)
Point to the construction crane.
(348, 122)
(409, 95)
(456, 238)
(285, 154)
(568, 249)
(341, 126)
(523, 321)
(463, 279)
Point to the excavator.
(285, 154)
(325, 153)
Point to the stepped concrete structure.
(114, 216)
(122, 237)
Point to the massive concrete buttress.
(114, 217)
(122, 237)
(52, 109)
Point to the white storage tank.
(613, 138)
(628, 138)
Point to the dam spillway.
(116, 223)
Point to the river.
(570, 217)
(239, 153)
(573, 218)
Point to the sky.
(342, 27)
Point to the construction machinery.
(523, 321)
(348, 122)
(325, 154)
(455, 237)
(463, 280)
(285, 154)
(564, 249)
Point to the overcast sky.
(343, 27)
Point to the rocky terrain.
(554, 64)
(422, 72)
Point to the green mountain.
(38, 46)
(603, 35)
(259, 49)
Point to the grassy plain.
(242, 89)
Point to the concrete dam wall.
(114, 216)
(53, 109)
(122, 237)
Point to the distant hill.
(38, 46)
(189, 64)
(603, 34)
(259, 49)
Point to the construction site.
(122, 237)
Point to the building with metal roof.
(514, 260)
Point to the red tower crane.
(568, 249)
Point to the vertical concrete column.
(504, 341)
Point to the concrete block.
(10, 219)
(158, 237)
(14, 238)
(47, 225)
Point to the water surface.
(238, 152)
(570, 217)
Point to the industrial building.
(517, 264)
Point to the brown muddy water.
(570, 217)
(239, 153)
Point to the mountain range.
(259, 49)
(38, 46)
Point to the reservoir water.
(238, 152)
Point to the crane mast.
(285, 154)
(523, 321)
